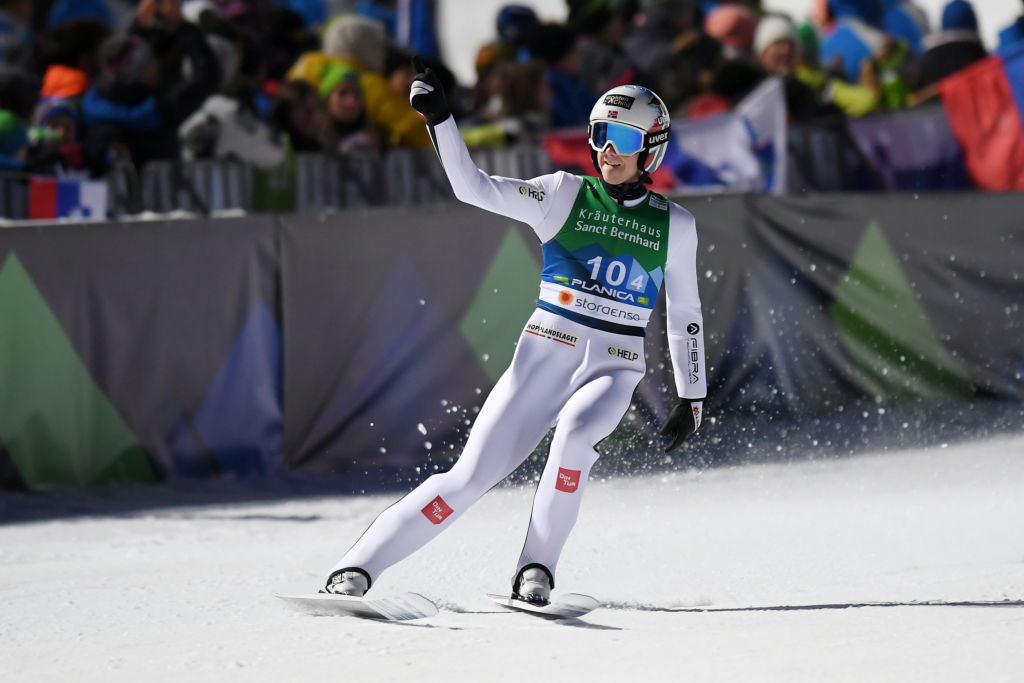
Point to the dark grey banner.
(363, 342)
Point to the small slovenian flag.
(58, 198)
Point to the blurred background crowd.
(87, 83)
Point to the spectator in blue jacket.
(855, 37)
(1011, 38)
(137, 103)
(903, 20)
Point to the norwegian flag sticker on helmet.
(612, 114)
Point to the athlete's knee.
(577, 435)
(470, 481)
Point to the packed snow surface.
(902, 566)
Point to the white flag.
(744, 149)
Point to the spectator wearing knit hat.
(348, 126)
(60, 116)
(68, 53)
(775, 47)
(514, 24)
(775, 44)
(360, 43)
(54, 145)
(956, 46)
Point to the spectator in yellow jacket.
(355, 42)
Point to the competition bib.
(607, 261)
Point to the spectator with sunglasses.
(609, 245)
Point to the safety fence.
(912, 150)
(308, 182)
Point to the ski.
(400, 607)
(565, 606)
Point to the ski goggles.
(625, 139)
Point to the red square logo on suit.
(568, 480)
(437, 510)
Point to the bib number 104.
(615, 273)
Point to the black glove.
(682, 422)
(427, 94)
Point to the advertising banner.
(363, 342)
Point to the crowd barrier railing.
(911, 150)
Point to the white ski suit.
(577, 362)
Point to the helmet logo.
(657, 138)
(617, 100)
(612, 114)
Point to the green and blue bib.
(607, 262)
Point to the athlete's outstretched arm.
(529, 201)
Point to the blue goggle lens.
(625, 139)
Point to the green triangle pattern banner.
(58, 427)
(504, 300)
(887, 332)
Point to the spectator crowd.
(85, 84)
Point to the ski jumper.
(577, 361)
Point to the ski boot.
(349, 581)
(533, 584)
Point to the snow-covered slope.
(754, 573)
